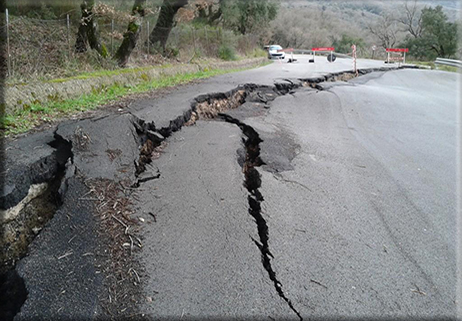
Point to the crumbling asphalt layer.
(116, 156)
(60, 273)
(30, 161)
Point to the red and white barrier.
(329, 49)
(353, 47)
(399, 51)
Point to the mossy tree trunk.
(89, 31)
(131, 35)
(164, 25)
(82, 39)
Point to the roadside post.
(112, 36)
(354, 60)
(68, 37)
(8, 43)
(147, 36)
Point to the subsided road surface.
(291, 197)
(359, 189)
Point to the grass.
(39, 113)
(257, 52)
(433, 66)
(447, 68)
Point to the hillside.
(451, 7)
(307, 23)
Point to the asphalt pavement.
(338, 201)
(359, 188)
(365, 225)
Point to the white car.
(273, 52)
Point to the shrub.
(257, 53)
(227, 52)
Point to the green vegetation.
(103, 73)
(227, 52)
(447, 68)
(45, 49)
(256, 53)
(343, 45)
(304, 24)
(38, 113)
(438, 37)
(433, 66)
(247, 16)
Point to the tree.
(246, 16)
(343, 45)
(438, 37)
(164, 25)
(385, 30)
(440, 34)
(132, 34)
(88, 30)
(412, 19)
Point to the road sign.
(397, 49)
(331, 57)
(323, 49)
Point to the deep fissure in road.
(252, 182)
(209, 106)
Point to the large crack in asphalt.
(150, 142)
(253, 182)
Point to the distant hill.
(311, 23)
(453, 8)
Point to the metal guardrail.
(449, 62)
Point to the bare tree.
(164, 25)
(412, 19)
(132, 34)
(385, 30)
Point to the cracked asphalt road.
(353, 213)
(376, 221)
(359, 196)
(207, 265)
